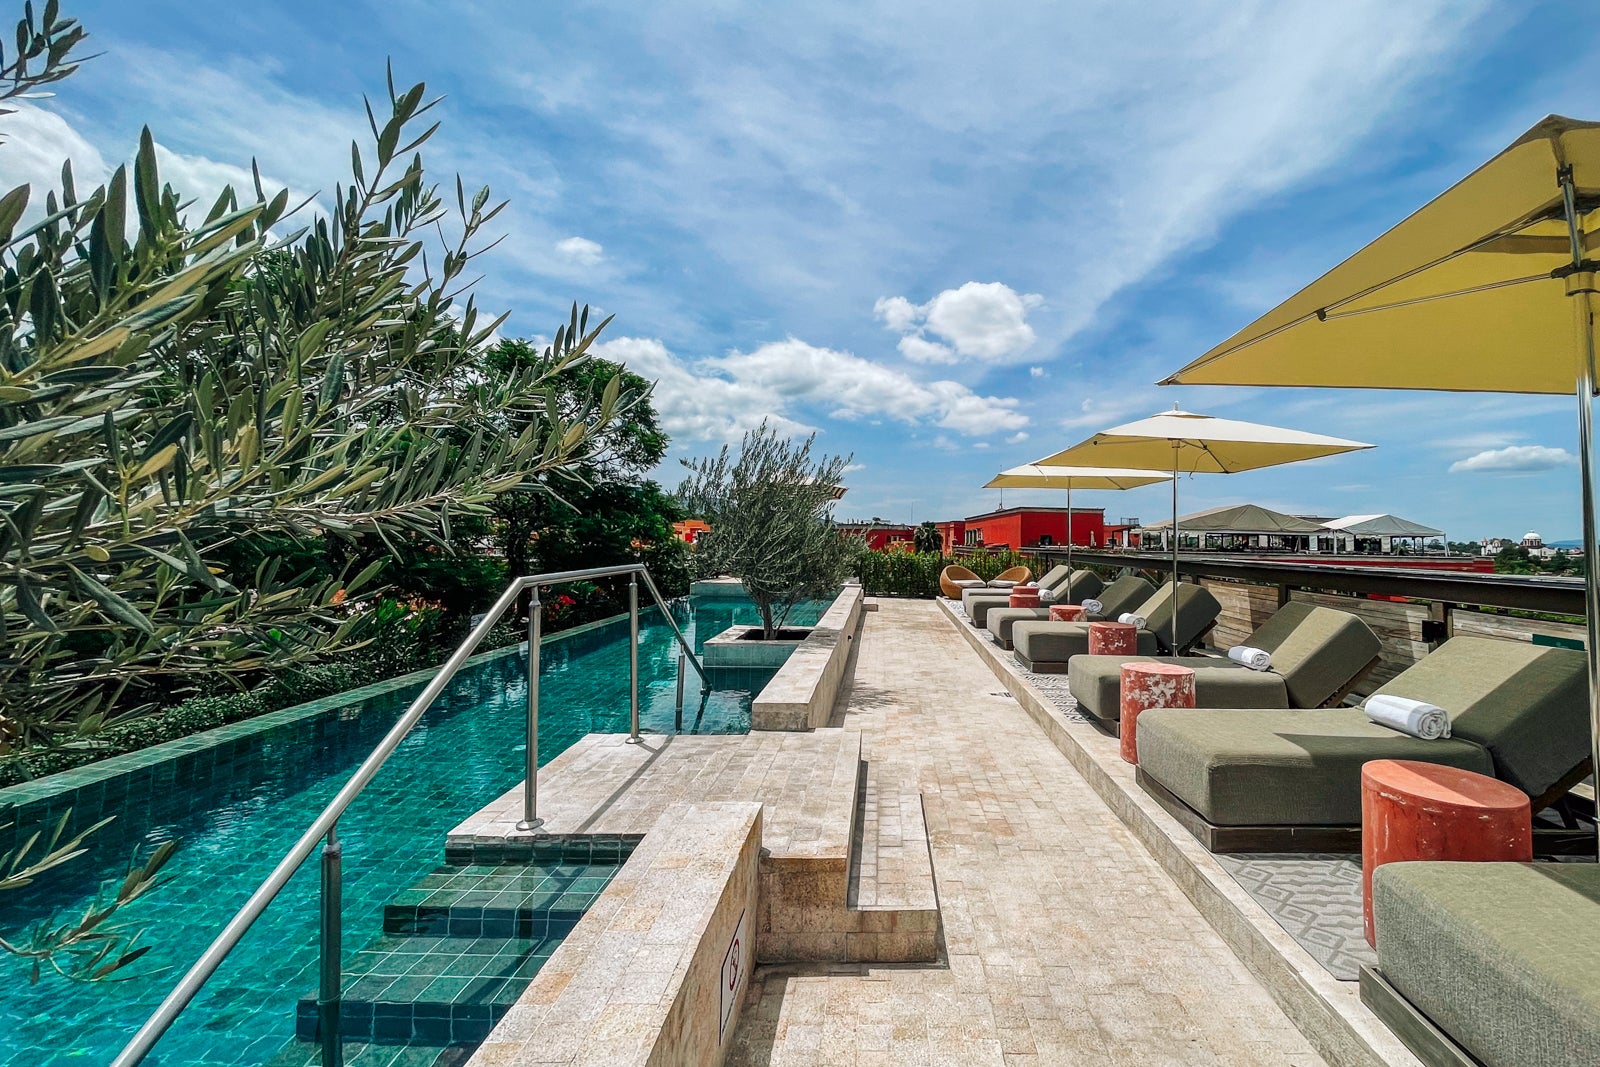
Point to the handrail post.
(633, 659)
(331, 975)
(530, 784)
(678, 714)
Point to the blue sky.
(949, 237)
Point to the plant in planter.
(770, 510)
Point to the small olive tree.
(771, 516)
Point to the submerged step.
(485, 901)
(431, 990)
(298, 1053)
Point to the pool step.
(431, 990)
(298, 1053)
(495, 901)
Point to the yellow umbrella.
(1488, 288)
(1185, 443)
(1039, 476)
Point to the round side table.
(1113, 639)
(1025, 596)
(1422, 811)
(1066, 613)
(1146, 686)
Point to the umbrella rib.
(1437, 296)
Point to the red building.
(879, 535)
(1024, 528)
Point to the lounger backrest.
(1197, 609)
(1082, 586)
(1124, 594)
(1525, 703)
(1317, 651)
(1055, 576)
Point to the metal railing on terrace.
(324, 829)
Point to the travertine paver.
(1066, 943)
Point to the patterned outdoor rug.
(1316, 897)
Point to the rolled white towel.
(1254, 658)
(1047, 596)
(1128, 616)
(1093, 607)
(1415, 717)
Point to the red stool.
(1066, 613)
(1151, 685)
(1422, 811)
(1024, 596)
(1113, 639)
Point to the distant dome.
(1532, 536)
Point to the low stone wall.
(655, 972)
(800, 696)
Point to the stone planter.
(742, 646)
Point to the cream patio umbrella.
(1185, 443)
(1489, 287)
(1039, 476)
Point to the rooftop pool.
(239, 799)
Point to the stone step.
(430, 990)
(494, 901)
(891, 868)
(298, 1053)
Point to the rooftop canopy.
(1240, 519)
(1381, 526)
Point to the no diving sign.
(732, 977)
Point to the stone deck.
(1064, 940)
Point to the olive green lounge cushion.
(1503, 957)
(1122, 595)
(1096, 682)
(977, 603)
(1049, 646)
(1248, 767)
(1517, 711)
(1316, 652)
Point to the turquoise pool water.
(238, 808)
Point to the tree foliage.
(172, 378)
(771, 516)
(926, 538)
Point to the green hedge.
(916, 574)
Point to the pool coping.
(25, 794)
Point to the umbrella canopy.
(1381, 526)
(1039, 476)
(1489, 287)
(1470, 293)
(1185, 443)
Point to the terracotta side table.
(1066, 613)
(1025, 596)
(1151, 685)
(1113, 639)
(1422, 811)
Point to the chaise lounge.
(1047, 647)
(978, 602)
(1122, 595)
(1318, 655)
(1488, 963)
(1247, 780)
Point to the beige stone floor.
(1065, 943)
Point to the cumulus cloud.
(984, 321)
(1037, 372)
(581, 251)
(721, 397)
(1515, 458)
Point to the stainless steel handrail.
(324, 828)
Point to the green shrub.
(916, 574)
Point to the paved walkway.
(1065, 942)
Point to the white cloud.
(1017, 438)
(581, 251)
(1103, 414)
(851, 468)
(721, 397)
(1038, 372)
(986, 321)
(36, 143)
(1515, 458)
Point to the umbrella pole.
(1591, 537)
(1174, 548)
(1069, 541)
(1580, 287)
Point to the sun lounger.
(1122, 595)
(1246, 780)
(1318, 654)
(1488, 963)
(977, 602)
(1068, 588)
(1047, 647)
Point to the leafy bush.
(916, 574)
